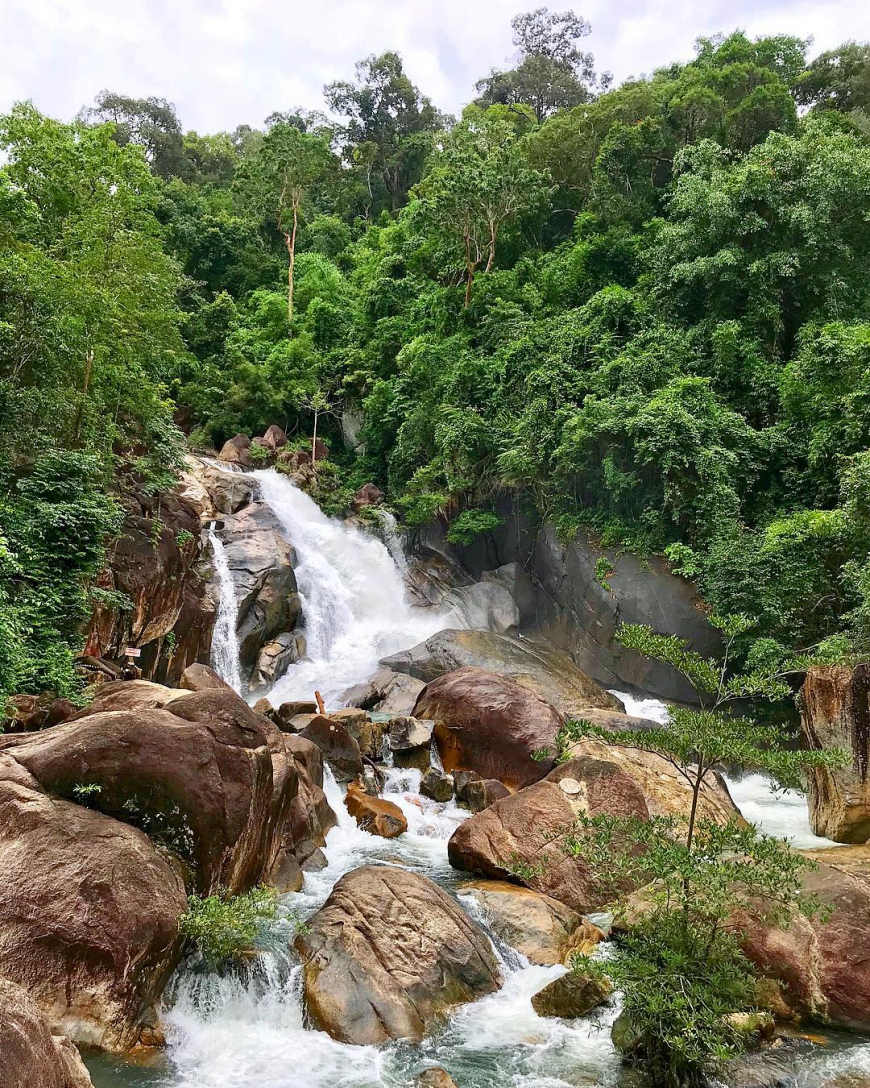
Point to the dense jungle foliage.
(643, 309)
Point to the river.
(244, 1027)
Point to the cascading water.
(353, 598)
(225, 643)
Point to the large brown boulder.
(200, 677)
(310, 818)
(388, 954)
(274, 439)
(823, 966)
(489, 724)
(155, 563)
(235, 450)
(89, 914)
(540, 927)
(519, 836)
(835, 713)
(374, 814)
(531, 662)
(198, 778)
(31, 1056)
(340, 749)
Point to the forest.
(642, 310)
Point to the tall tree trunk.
(290, 240)
(89, 367)
(314, 443)
(493, 234)
(468, 282)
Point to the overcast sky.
(228, 62)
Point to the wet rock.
(387, 692)
(310, 816)
(202, 678)
(489, 724)
(518, 836)
(339, 748)
(835, 713)
(369, 735)
(409, 741)
(88, 914)
(624, 1035)
(260, 561)
(482, 606)
(538, 926)
(436, 785)
(435, 1077)
(373, 814)
(571, 995)
(478, 793)
(276, 657)
(33, 1057)
(390, 953)
(289, 710)
(530, 662)
(235, 450)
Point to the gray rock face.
(387, 692)
(566, 603)
(485, 605)
(215, 491)
(388, 954)
(276, 657)
(531, 663)
(261, 563)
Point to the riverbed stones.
(374, 814)
(489, 724)
(436, 785)
(518, 836)
(368, 734)
(476, 793)
(571, 995)
(835, 713)
(531, 662)
(538, 926)
(389, 954)
(387, 692)
(31, 1056)
(310, 817)
(435, 1077)
(410, 739)
(339, 748)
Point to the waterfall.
(353, 597)
(225, 643)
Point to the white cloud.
(226, 62)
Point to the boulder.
(368, 495)
(530, 662)
(32, 1056)
(260, 560)
(478, 793)
(200, 779)
(373, 814)
(389, 954)
(571, 995)
(387, 692)
(286, 711)
(538, 926)
(216, 492)
(235, 450)
(481, 606)
(89, 914)
(202, 678)
(310, 817)
(26, 713)
(436, 785)
(489, 724)
(835, 713)
(276, 657)
(822, 967)
(274, 439)
(369, 735)
(155, 562)
(665, 791)
(518, 837)
(407, 733)
(339, 748)
(130, 695)
(434, 1077)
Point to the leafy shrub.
(225, 926)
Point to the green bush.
(225, 926)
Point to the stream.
(244, 1027)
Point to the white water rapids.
(244, 1028)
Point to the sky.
(230, 62)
